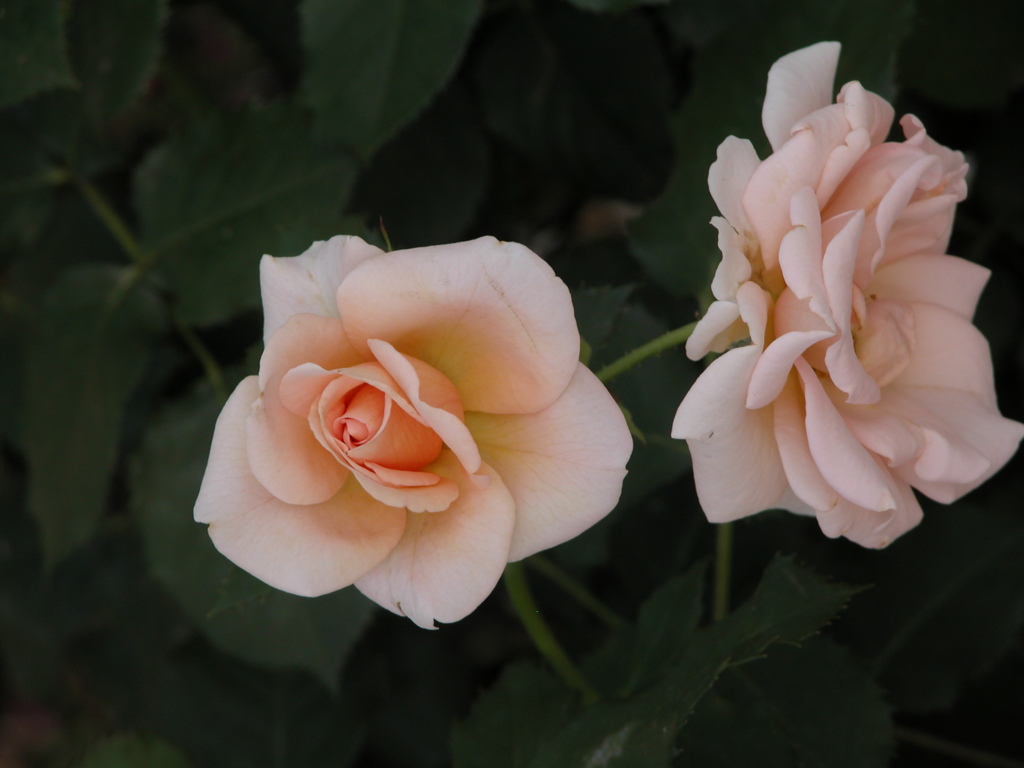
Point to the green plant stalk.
(575, 590)
(541, 635)
(723, 571)
(954, 750)
(114, 223)
(132, 248)
(653, 347)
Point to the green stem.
(575, 590)
(130, 244)
(110, 218)
(214, 375)
(954, 750)
(540, 633)
(723, 570)
(655, 346)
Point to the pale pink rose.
(419, 420)
(864, 376)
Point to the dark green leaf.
(89, 351)
(811, 706)
(133, 752)
(697, 22)
(510, 722)
(960, 76)
(216, 198)
(26, 184)
(428, 182)
(586, 95)
(597, 309)
(374, 64)
(232, 608)
(673, 239)
(946, 605)
(32, 57)
(789, 605)
(114, 46)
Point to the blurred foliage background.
(152, 150)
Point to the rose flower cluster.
(864, 376)
(420, 419)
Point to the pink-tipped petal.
(308, 283)
(446, 564)
(434, 398)
(798, 84)
(491, 316)
(728, 177)
(421, 491)
(736, 464)
(284, 454)
(303, 549)
(948, 281)
(564, 465)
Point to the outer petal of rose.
(284, 454)
(843, 462)
(728, 177)
(303, 549)
(950, 353)
(797, 164)
(736, 464)
(564, 465)
(719, 328)
(954, 421)
(445, 565)
(491, 316)
(866, 110)
(791, 437)
(734, 268)
(309, 282)
(418, 382)
(948, 281)
(869, 528)
(799, 83)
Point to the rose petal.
(734, 269)
(303, 549)
(419, 492)
(284, 454)
(446, 564)
(717, 330)
(564, 465)
(736, 464)
(949, 353)
(434, 398)
(961, 429)
(866, 110)
(799, 83)
(791, 437)
(843, 462)
(948, 281)
(491, 316)
(308, 283)
(868, 528)
(728, 177)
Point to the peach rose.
(420, 419)
(864, 375)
